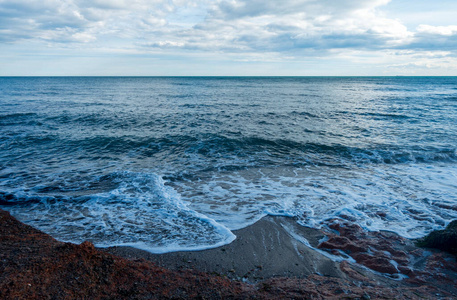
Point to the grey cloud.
(292, 42)
(50, 20)
(272, 26)
(47, 15)
(33, 19)
(433, 42)
(241, 9)
(250, 26)
(102, 4)
(292, 25)
(253, 8)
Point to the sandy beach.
(278, 248)
(261, 251)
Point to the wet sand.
(263, 250)
(277, 247)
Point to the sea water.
(170, 163)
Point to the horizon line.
(226, 76)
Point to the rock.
(377, 263)
(387, 252)
(445, 240)
(342, 243)
(33, 265)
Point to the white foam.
(145, 212)
(142, 212)
(305, 242)
(400, 198)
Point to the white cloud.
(241, 25)
(437, 30)
(245, 30)
(223, 25)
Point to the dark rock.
(445, 240)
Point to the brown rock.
(376, 263)
(35, 266)
(341, 243)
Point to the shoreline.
(266, 261)
(260, 251)
(277, 247)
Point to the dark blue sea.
(168, 164)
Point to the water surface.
(169, 164)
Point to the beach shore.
(263, 250)
(277, 248)
(268, 260)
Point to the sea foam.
(141, 212)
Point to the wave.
(10, 199)
(449, 98)
(141, 211)
(253, 148)
(386, 115)
(93, 120)
(304, 114)
(17, 115)
(258, 147)
(19, 119)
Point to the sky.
(228, 37)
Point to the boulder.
(445, 240)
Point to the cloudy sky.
(228, 37)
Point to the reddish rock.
(377, 263)
(387, 253)
(341, 243)
(346, 267)
(347, 229)
(35, 266)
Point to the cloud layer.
(253, 28)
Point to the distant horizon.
(219, 76)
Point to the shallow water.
(171, 164)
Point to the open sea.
(170, 163)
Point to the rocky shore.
(269, 260)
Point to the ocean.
(179, 163)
